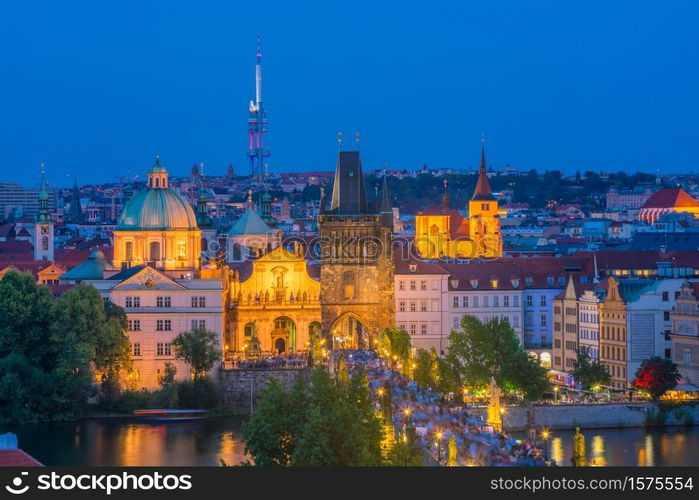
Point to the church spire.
(445, 197)
(483, 191)
(43, 217)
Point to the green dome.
(91, 269)
(157, 209)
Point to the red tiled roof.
(670, 198)
(18, 458)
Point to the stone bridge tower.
(356, 273)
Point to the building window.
(413, 286)
(668, 353)
(198, 324)
(423, 285)
(402, 327)
(542, 301)
(134, 325)
(666, 296)
(412, 329)
(485, 206)
(455, 322)
(163, 325)
(413, 307)
(530, 301)
(163, 302)
(401, 285)
(348, 281)
(181, 250)
(198, 301)
(687, 356)
(515, 300)
(515, 321)
(455, 302)
(401, 306)
(128, 250)
(543, 319)
(163, 349)
(496, 301)
(666, 315)
(506, 301)
(155, 251)
(475, 301)
(423, 329)
(485, 301)
(423, 306)
(133, 302)
(136, 349)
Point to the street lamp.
(545, 435)
(555, 391)
(439, 435)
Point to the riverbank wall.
(241, 387)
(591, 416)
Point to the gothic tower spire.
(483, 191)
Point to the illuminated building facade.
(356, 272)
(443, 232)
(158, 228)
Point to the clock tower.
(43, 226)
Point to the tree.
(395, 344)
(320, 422)
(25, 308)
(199, 349)
(656, 376)
(422, 373)
(481, 351)
(589, 373)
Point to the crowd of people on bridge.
(272, 361)
(423, 412)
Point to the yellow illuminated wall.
(171, 250)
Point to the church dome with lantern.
(158, 227)
(157, 207)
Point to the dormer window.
(515, 282)
(550, 280)
(494, 283)
(474, 283)
(413, 268)
(454, 283)
(561, 280)
(528, 280)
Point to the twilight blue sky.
(97, 88)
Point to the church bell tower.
(43, 226)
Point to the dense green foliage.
(51, 350)
(480, 352)
(321, 422)
(197, 348)
(394, 344)
(656, 376)
(535, 188)
(588, 373)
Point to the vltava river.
(124, 441)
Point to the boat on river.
(168, 416)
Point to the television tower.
(257, 125)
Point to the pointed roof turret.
(349, 195)
(445, 197)
(385, 199)
(43, 217)
(483, 191)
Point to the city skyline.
(606, 96)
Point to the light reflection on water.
(208, 441)
(129, 442)
(630, 447)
